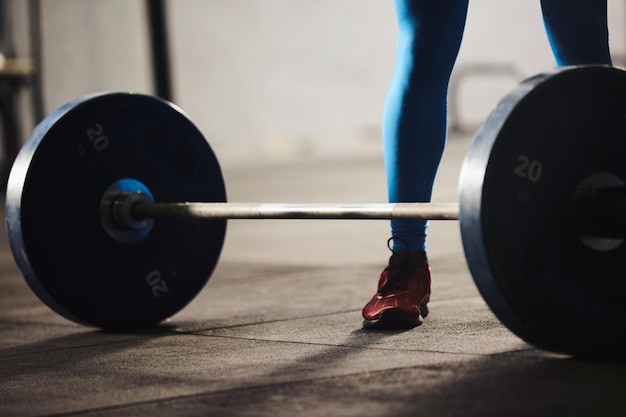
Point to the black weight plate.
(53, 210)
(517, 185)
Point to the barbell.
(116, 210)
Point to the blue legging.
(415, 114)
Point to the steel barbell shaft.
(424, 211)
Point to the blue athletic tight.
(414, 118)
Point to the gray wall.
(280, 79)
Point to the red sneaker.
(403, 293)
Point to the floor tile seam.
(241, 389)
(220, 278)
(132, 338)
(343, 346)
(66, 323)
(438, 260)
(197, 332)
(64, 349)
(23, 306)
(326, 314)
(63, 323)
(283, 320)
(437, 299)
(284, 269)
(434, 300)
(166, 333)
(264, 269)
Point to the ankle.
(413, 258)
(400, 245)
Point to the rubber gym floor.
(277, 330)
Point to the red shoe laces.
(399, 270)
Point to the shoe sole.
(393, 320)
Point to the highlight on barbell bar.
(415, 211)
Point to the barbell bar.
(128, 211)
(116, 210)
(131, 210)
(407, 211)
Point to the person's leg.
(414, 135)
(577, 31)
(414, 118)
